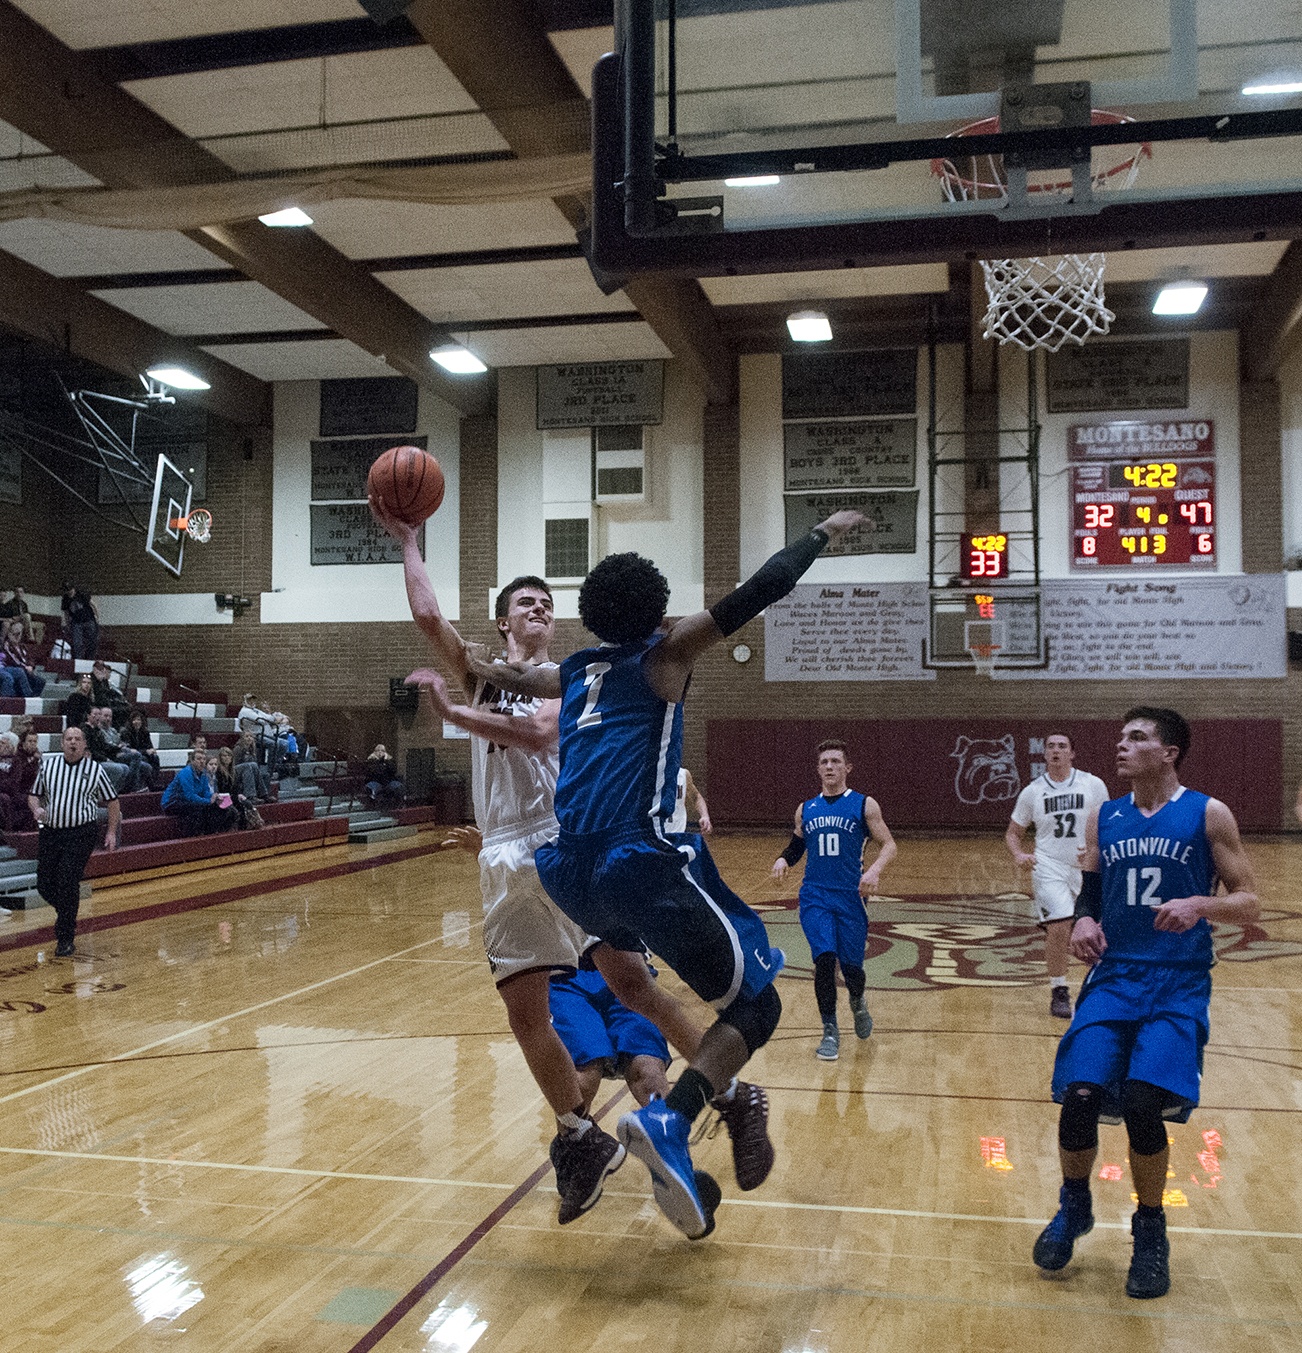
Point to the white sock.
(571, 1122)
(725, 1096)
(1057, 981)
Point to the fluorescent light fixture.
(1180, 298)
(291, 216)
(754, 181)
(459, 361)
(809, 326)
(1289, 87)
(177, 377)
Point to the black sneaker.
(1150, 1272)
(1074, 1219)
(1059, 1003)
(63, 949)
(746, 1116)
(582, 1162)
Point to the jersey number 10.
(829, 843)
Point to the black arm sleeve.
(1089, 901)
(795, 849)
(771, 582)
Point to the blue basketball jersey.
(621, 744)
(834, 840)
(1146, 861)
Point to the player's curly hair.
(623, 599)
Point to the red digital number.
(1097, 515)
(1191, 512)
(1089, 545)
(1205, 545)
(984, 563)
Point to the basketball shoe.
(1150, 1271)
(657, 1135)
(863, 1021)
(582, 1161)
(746, 1116)
(1060, 1003)
(1075, 1218)
(830, 1048)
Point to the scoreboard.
(1142, 494)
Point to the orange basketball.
(409, 481)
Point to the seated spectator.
(281, 748)
(125, 752)
(123, 770)
(254, 780)
(16, 784)
(76, 707)
(192, 797)
(382, 782)
(8, 681)
(80, 621)
(137, 736)
(254, 717)
(27, 680)
(228, 785)
(104, 692)
(13, 606)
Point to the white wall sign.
(600, 394)
(1132, 630)
(847, 632)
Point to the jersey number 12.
(1151, 876)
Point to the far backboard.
(165, 540)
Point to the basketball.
(409, 481)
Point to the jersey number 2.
(594, 675)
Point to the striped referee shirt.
(71, 790)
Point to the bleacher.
(317, 807)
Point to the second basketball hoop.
(197, 525)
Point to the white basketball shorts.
(1055, 886)
(524, 930)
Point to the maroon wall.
(759, 769)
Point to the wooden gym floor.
(276, 1106)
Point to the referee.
(64, 801)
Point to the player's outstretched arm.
(424, 603)
(1239, 902)
(524, 678)
(670, 663)
(533, 733)
(881, 833)
(1087, 939)
(795, 847)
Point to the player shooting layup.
(1058, 804)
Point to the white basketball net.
(1045, 302)
(198, 526)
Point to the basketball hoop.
(1040, 302)
(983, 658)
(198, 525)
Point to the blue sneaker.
(1074, 1219)
(657, 1136)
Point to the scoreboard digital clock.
(983, 557)
(1155, 512)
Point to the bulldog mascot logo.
(987, 770)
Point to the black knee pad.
(1141, 1107)
(755, 1017)
(1078, 1127)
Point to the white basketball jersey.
(514, 790)
(1059, 809)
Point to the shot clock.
(1143, 494)
(984, 557)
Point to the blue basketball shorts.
(595, 1027)
(637, 891)
(1138, 1021)
(835, 923)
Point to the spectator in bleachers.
(8, 680)
(13, 606)
(76, 707)
(122, 770)
(254, 717)
(382, 782)
(104, 692)
(254, 780)
(228, 784)
(192, 797)
(27, 680)
(16, 784)
(80, 621)
(125, 752)
(137, 736)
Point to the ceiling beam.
(58, 312)
(503, 59)
(58, 97)
(1274, 324)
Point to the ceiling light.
(1289, 87)
(460, 361)
(177, 377)
(1180, 298)
(753, 181)
(809, 326)
(291, 216)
